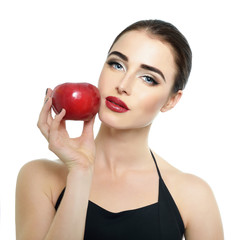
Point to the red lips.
(116, 105)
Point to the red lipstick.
(116, 105)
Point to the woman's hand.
(74, 152)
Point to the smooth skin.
(112, 169)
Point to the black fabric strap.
(59, 199)
(156, 164)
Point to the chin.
(113, 121)
(121, 122)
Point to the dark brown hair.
(168, 33)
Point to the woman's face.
(139, 71)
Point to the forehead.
(142, 48)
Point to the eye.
(149, 80)
(115, 65)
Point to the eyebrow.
(153, 69)
(122, 56)
(143, 66)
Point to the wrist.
(78, 179)
(78, 171)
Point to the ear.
(172, 101)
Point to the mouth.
(116, 105)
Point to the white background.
(45, 43)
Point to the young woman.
(114, 187)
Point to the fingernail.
(46, 100)
(46, 91)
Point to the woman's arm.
(203, 221)
(69, 221)
(35, 213)
(36, 217)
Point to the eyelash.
(114, 64)
(153, 82)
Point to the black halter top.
(158, 221)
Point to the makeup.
(115, 104)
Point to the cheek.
(151, 105)
(146, 109)
(100, 82)
(104, 84)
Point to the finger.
(57, 120)
(48, 103)
(48, 94)
(88, 127)
(49, 118)
(45, 117)
(62, 124)
(46, 109)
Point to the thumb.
(88, 127)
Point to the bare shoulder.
(196, 196)
(172, 175)
(193, 192)
(203, 220)
(194, 186)
(38, 186)
(42, 174)
(44, 166)
(196, 203)
(183, 184)
(188, 190)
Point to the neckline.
(123, 212)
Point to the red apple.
(80, 100)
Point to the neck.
(122, 149)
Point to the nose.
(125, 85)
